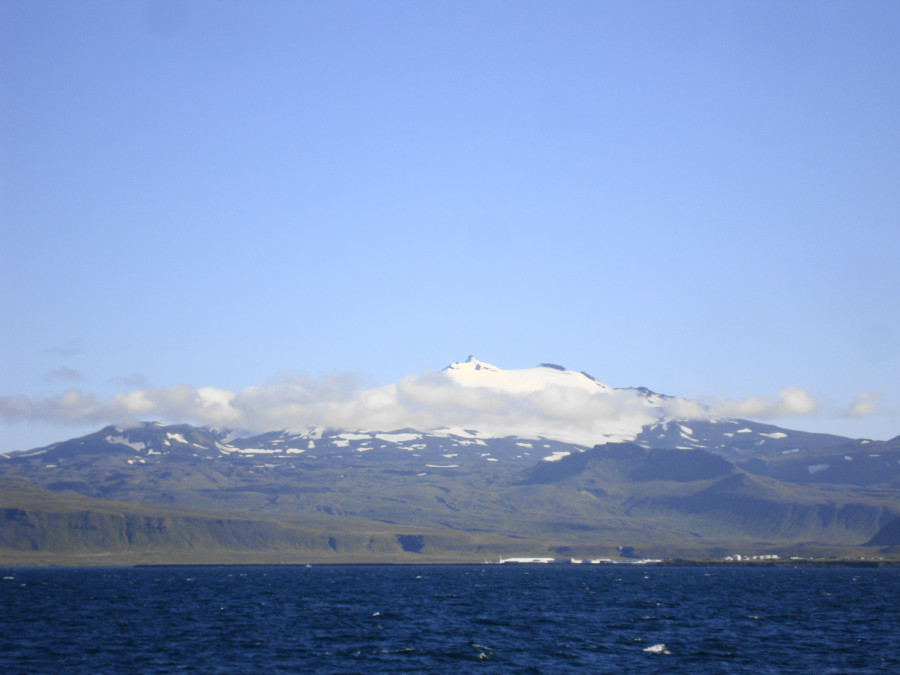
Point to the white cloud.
(864, 405)
(72, 406)
(296, 400)
(683, 408)
(792, 402)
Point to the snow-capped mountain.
(471, 412)
(475, 415)
(550, 402)
(475, 373)
(480, 454)
(544, 402)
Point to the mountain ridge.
(678, 486)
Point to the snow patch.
(122, 440)
(556, 456)
(454, 431)
(774, 434)
(816, 468)
(398, 438)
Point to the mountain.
(735, 438)
(649, 483)
(546, 401)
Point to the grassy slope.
(43, 527)
(583, 507)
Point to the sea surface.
(450, 619)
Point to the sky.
(203, 201)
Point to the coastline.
(94, 563)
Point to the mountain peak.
(474, 364)
(475, 373)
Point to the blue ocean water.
(459, 619)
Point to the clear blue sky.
(698, 197)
